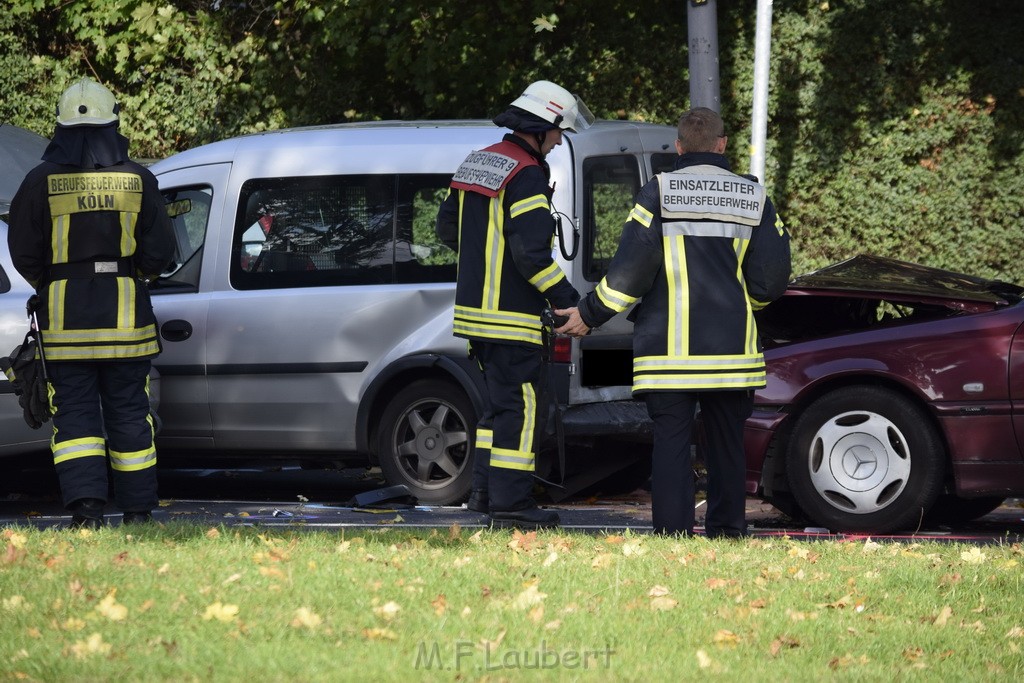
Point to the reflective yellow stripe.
(102, 352)
(544, 280)
(529, 418)
(494, 253)
(641, 216)
(484, 439)
(720, 381)
(55, 306)
(537, 201)
(496, 332)
(112, 335)
(678, 295)
(89, 446)
(497, 317)
(613, 299)
(133, 461)
(512, 460)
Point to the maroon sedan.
(895, 395)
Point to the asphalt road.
(285, 495)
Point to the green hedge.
(896, 128)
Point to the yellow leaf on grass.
(388, 610)
(111, 609)
(93, 645)
(550, 559)
(221, 612)
(633, 549)
(213, 532)
(703, 661)
(1015, 632)
(15, 603)
(602, 561)
(529, 597)
(16, 539)
(306, 618)
(943, 616)
(658, 591)
(379, 634)
(973, 556)
(726, 637)
(663, 603)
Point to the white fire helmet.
(86, 103)
(555, 104)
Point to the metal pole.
(759, 116)
(702, 32)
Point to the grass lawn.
(190, 603)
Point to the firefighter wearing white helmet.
(498, 215)
(87, 227)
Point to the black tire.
(425, 441)
(865, 459)
(950, 509)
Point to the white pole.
(759, 117)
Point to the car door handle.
(176, 330)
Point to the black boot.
(478, 501)
(527, 518)
(87, 513)
(137, 517)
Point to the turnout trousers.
(672, 482)
(506, 435)
(101, 411)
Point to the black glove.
(25, 372)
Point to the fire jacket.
(86, 240)
(498, 212)
(704, 248)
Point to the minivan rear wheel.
(425, 441)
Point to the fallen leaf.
(550, 559)
(379, 634)
(658, 591)
(213, 532)
(782, 642)
(221, 612)
(663, 603)
(93, 645)
(306, 618)
(633, 549)
(602, 561)
(703, 661)
(944, 614)
(973, 556)
(529, 597)
(388, 610)
(1015, 632)
(524, 542)
(440, 604)
(111, 609)
(725, 637)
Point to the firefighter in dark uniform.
(88, 227)
(498, 215)
(704, 248)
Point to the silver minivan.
(308, 314)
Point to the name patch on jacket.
(485, 172)
(719, 196)
(80, 192)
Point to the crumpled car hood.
(880, 275)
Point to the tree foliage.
(895, 128)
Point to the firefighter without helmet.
(86, 103)
(555, 104)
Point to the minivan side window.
(337, 230)
(189, 209)
(610, 184)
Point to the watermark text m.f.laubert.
(462, 655)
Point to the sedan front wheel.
(865, 459)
